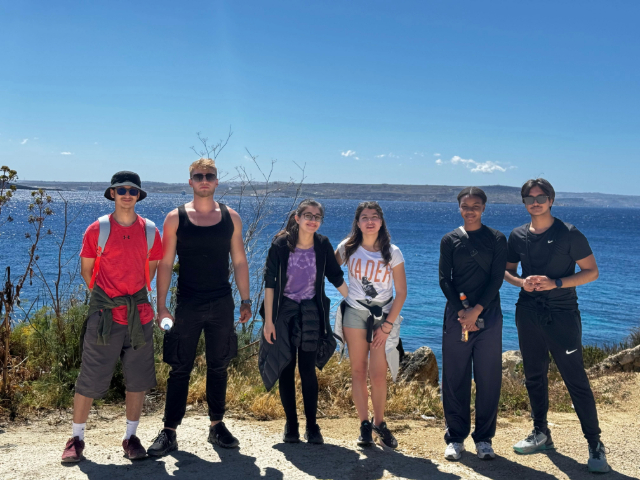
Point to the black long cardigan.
(275, 276)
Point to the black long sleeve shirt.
(459, 272)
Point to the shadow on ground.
(232, 465)
(334, 461)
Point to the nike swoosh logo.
(570, 352)
(549, 241)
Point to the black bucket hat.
(125, 179)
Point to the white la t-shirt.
(369, 277)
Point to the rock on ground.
(625, 361)
(419, 366)
(511, 360)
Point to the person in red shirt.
(119, 324)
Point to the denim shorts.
(356, 318)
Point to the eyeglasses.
(198, 177)
(122, 191)
(310, 217)
(540, 200)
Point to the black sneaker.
(165, 442)
(386, 437)
(219, 435)
(291, 433)
(313, 435)
(366, 437)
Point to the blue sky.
(425, 92)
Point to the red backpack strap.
(150, 232)
(103, 236)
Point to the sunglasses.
(198, 177)
(540, 200)
(122, 191)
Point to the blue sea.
(609, 306)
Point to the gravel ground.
(32, 450)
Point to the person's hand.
(469, 324)
(163, 312)
(379, 337)
(269, 331)
(528, 284)
(462, 313)
(543, 283)
(245, 313)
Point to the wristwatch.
(558, 282)
(246, 302)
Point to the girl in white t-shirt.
(375, 267)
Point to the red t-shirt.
(122, 263)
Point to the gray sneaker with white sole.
(535, 442)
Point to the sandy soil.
(32, 450)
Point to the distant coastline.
(384, 192)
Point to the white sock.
(77, 430)
(131, 429)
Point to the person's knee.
(359, 372)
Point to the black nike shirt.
(459, 272)
(553, 253)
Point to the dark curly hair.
(292, 228)
(354, 240)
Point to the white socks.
(131, 429)
(78, 430)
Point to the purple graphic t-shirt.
(301, 275)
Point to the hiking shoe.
(312, 434)
(165, 442)
(219, 435)
(73, 450)
(366, 437)
(598, 458)
(384, 435)
(291, 433)
(454, 451)
(485, 451)
(535, 442)
(133, 449)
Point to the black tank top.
(203, 256)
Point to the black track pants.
(483, 353)
(558, 332)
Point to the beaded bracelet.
(390, 323)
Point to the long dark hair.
(354, 240)
(292, 228)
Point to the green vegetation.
(45, 364)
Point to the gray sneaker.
(598, 459)
(535, 442)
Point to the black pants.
(221, 345)
(289, 310)
(483, 351)
(558, 332)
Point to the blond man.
(204, 234)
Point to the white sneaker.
(454, 451)
(485, 451)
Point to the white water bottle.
(166, 324)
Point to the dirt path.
(33, 450)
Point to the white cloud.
(478, 167)
(24, 141)
(66, 153)
(436, 154)
(381, 156)
(439, 161)
(488, 167)
(348, 153)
